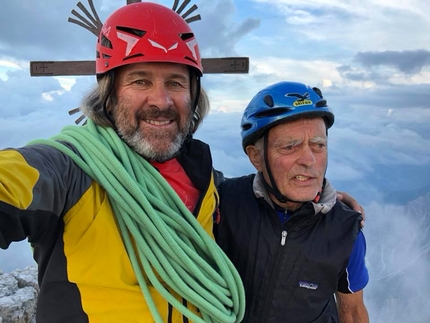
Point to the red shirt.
(175, 175)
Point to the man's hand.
(352, 203)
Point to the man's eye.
(288, 149)
(175, 84)
(319, 146)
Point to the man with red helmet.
(114, 242)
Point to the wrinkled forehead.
(298, 128)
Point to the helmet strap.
(273, 188)
(194, 78)
(197, 96)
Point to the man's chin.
(159, 147)
(304, 197)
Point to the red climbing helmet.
(146, 32)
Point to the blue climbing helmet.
(282, 102)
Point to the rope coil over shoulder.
(161, 235)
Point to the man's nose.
(307, 157)
(160, 97)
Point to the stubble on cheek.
(125, 122)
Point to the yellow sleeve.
(17, 179)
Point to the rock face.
(18, 296)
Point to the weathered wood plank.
(226, 65)
(57, 68)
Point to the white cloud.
(308, 71)
(9, 64)
(66, 82)
(358, 25)
(6, 65)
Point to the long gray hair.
(98, 104)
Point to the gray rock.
(18, 296)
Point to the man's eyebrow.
(287, 141)
(318, 139)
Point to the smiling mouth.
(158, 123)
(302, 178)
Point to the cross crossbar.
(225, 65)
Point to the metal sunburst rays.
(93, 24)
(188, 12)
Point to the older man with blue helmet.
(299, 251)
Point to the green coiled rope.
(168, 240)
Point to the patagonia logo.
(307, 285)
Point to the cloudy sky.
(371, 58)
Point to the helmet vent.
(273, 112)
(132, 31)
(318, 91)
(186, 36)
(105, 42)
(133, 56)
(321, 104)
(269, 100)
(191, 59)
(246, 126)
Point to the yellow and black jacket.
(85, 274)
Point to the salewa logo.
(307, 285)
(192, 44)
(157, 45)
(302, 99)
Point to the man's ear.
(255, 157)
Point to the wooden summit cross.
(74, 68)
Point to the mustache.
(154, 113)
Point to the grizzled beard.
(148, 144)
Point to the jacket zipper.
(283, 237)
(275, 272)
(273, 277)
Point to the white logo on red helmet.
(157, 45)
(129, 39)
(192, 44)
